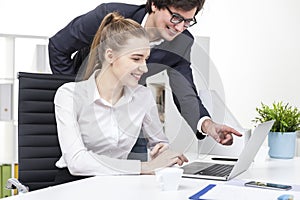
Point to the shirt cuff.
(200, 122)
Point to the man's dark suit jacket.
(173, 56)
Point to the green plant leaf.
(287, 118)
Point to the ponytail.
(93, 60)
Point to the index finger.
(183, 158)
(156, 148)
(233, 131)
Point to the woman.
(99, 119)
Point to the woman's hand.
(158, 149)
(167, 158)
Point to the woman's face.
(129, 64)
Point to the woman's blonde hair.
(113, 32)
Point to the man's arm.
(181, 81)
(186, 97)
(76, 35)
(79, 33)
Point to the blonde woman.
(99, 119)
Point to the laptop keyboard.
(217, 170)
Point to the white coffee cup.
(168, 178)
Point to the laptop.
(224, 172)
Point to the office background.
(254, 45)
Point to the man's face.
(161, 19)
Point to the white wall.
(254, 45)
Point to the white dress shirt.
(96, 137)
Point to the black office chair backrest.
(38, 146)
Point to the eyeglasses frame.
(181, 19)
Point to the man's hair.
(185, 5)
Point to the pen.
(224, 159)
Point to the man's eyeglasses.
(176, 19)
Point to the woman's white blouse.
(96, 137)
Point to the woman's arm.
(80, 160)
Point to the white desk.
(145, 187)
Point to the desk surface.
(146, 187)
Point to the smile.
(136, 76)
(172, 31)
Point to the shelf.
(6, 81)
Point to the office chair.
(38, 145)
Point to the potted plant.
(282, 137)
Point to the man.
(166, 22)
